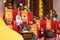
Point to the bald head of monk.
(1, 8)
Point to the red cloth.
(16, 28)
(53, 24)
(30, 16)
(14, 14)
(43, 24)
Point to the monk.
(5, 32)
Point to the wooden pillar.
(26, 2)
(33, 8)
(37, 8)
(51, 4)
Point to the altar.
(27, 35)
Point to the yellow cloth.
(8, 34)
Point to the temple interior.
(30, 20)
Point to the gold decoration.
(38, 23)
(8, 13)
(34, 28)
(24, 16)
(48, 24)
(40, 8)
(50, 13)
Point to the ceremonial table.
(27, 35)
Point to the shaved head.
(1, 8)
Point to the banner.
(8, 14)
(30, 15)
(34, 29)
(38, 23)
(48, 25)
(24, 15)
